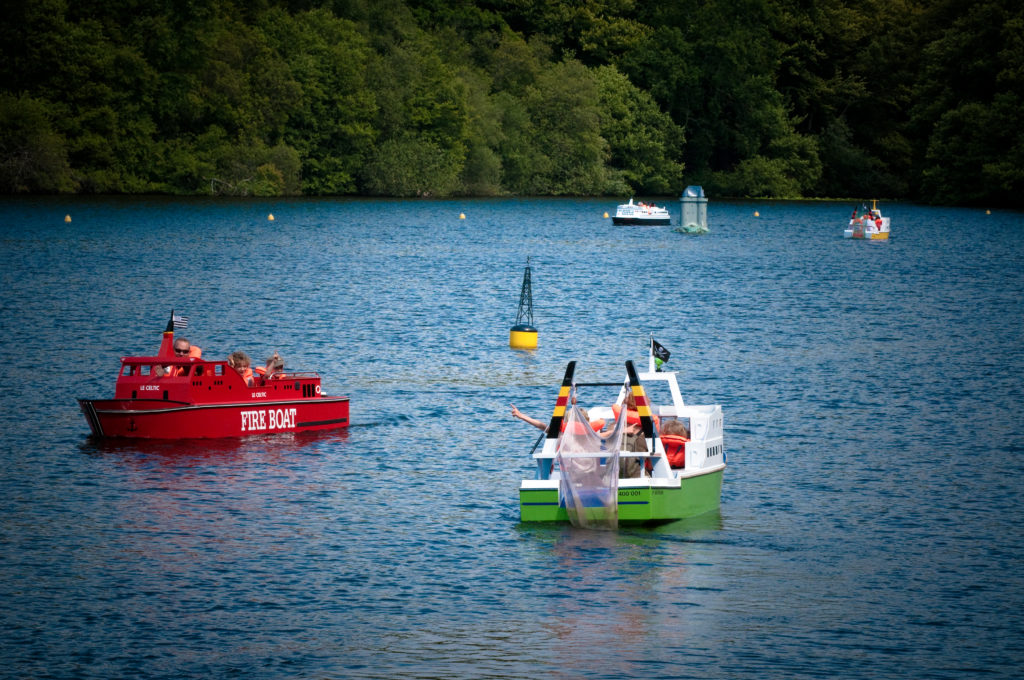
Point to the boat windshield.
(589, 466)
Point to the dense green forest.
(913, 99)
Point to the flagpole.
(167, 340)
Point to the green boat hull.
(651, 503)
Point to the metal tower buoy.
(523, 335)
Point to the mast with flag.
(167, 342)
(659, 355)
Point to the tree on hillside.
(969, 99)
(422, 120)
(33, 157)
(645, 146)
(320, 87)
(894, 98)
(568, 153)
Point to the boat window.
(665, 420)
(127, 369)
(218, 369)
(145, 370)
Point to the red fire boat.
(186, 397)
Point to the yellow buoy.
(462, 216)
(522, 337)
(67, 218)
(606, 215)
(988, 212)
(757, 214)
(270, 217)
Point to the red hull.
(209, 400)
(154, 419)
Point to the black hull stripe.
(656, 223)
(317, 423)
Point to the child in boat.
(674, 435)
(272, 371)
(240, 362)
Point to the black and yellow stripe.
(643, 407)
(555, 426)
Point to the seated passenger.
(182, 348)
(633, 422)
(240, 362)
(272, 371)
(674, 436)
(634, 439)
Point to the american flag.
(180, 322)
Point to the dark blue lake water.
(871, 516)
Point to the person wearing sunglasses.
(182, 348)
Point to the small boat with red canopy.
(187, 397)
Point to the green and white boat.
(577, 475)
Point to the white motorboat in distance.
(641, 213)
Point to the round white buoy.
(67, 218)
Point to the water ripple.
(870, 515)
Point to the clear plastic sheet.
(589, 465)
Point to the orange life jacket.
(177, 371)
(675, 449)
(595, 425)
(173, 371)
(246, 376)
(633, 417)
